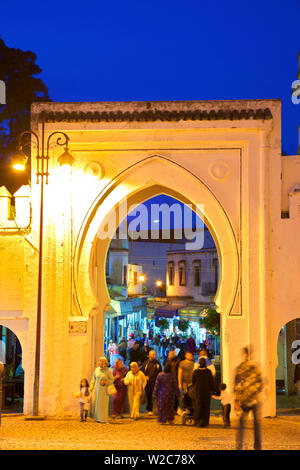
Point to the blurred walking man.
(248, 386)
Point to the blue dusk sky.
(162, 50)
(153, 214)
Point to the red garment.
(191, 344)
(118, 400)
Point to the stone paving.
(281, 433)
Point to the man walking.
(151, 368)
(123, 349)
(248, 386)
(208, 362)
(174, 361)
(185, 372)
(191, 344)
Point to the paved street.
(281, 433)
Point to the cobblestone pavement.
(282, 433)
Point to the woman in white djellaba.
(102, 378)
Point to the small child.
(84, 399)
(224, 397)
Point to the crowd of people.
(139, 344)
(170, 384)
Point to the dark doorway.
(13, 379)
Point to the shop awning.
(193, 313)
(166, 312)
(110, 312)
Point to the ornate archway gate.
(225, 155)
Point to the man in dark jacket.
(174, 361)
(135, 354)
(248, 386)
(123, 348)
(151, 368)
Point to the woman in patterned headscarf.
(119, 398)
(165, 390)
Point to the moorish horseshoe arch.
(149, 177)
(225, 154)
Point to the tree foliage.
(183, 325)
(19, 71)
(163, 324)
(211, 321)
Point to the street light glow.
(66, 158)
(19, 160)
(19, 167)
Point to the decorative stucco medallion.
(219, 170)
(94, 169)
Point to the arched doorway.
(160, 282)
(162, 275)
(149, 178)
(13, 378)
(288, 354)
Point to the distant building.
(153, 256)
(122, 315)
(135, 283)
(117, 268)
(193, 274)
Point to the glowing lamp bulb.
(19, 160)
(19, 167)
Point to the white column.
(23, 206)
(5, 205)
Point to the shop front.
(175, 320)
(125, 317)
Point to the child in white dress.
(224, 397)
(84, 396)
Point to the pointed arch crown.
(148, 178)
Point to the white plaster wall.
(207, 274)
(134, 289)
(238, 164)
(290, 175)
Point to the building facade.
(194, 273)
(123, 282)
(222, 155)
